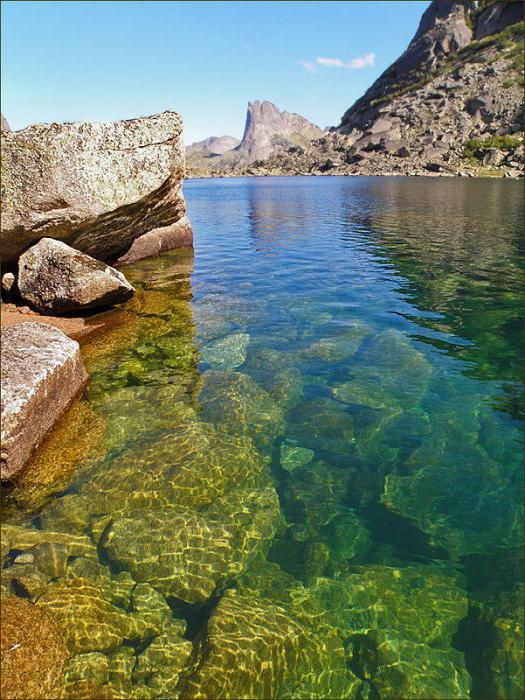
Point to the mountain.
(446, 27)
(452, 103)
(214, 145)
(267, 132)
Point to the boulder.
(33, 652)
(97, 186)
(56, 278)
(42, 373)
(4, 124)
(493, 156)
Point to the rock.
(158, 241)
(8, 283)
(33, 652)
(55, 278)
(474, 105)
(255, 648)
(443, 29)
(266, 126)
(4, 124)
(210, 547)
(96, 186)
(215, 145)
(227, 353)
(42, 373)
(293, 457)
(493, 156)
(88, 619)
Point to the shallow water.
(310, 430)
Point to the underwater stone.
(74, 442)
(192, 465)
(33, 653)
(161, 664)
(341, 347)
(210, 547)
(188, 566)
(450, 501)
(87, 618)
(93, 667)
(322, 424)
(419, 602)
(238, 405)
(227, 353)
(293, 456)
(255, 649)
(403, 668)
(23, 538)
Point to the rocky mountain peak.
(445, 27)
(268, 129)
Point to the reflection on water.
(296, 472)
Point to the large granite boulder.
(42, 372)
(53, 277)
(4, 124)
(97, 186)
(33, 651)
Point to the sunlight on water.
(296, 472)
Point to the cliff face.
(268, 130)
(446, 28)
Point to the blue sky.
(68, 61)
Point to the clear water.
(309, 430)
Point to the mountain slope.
(214, 145)
(451, 104)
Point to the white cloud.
(356, 63)
(362, 61)
(335, 62)
(310, 67)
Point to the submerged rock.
(97, 186)
(191, 466)
(237, 404)
(33, 652)
(400, 625)
(53, 277)
(227, 353)
(42, 373)
(88, 619)
(254, 648)
(210, 547)
(293, 456)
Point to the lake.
(297, 468)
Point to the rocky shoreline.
(73, 197)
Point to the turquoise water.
(309, 430)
